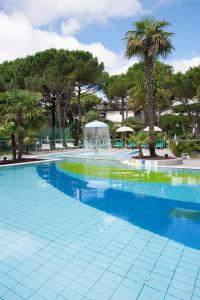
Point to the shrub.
(185, 147)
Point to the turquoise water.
(69, 236)
(147, 205)
(114, 155)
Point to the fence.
(53, 134)
(5, 146)
(48, 134)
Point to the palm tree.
(20, 112)
(140, 138)
(149, 40)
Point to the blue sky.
(184, 17)
(98, 26)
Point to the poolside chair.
(159, 145)
(71, 145)
(145, 146)
(45, 146)
(131, 145)
(118, 144)
(59, 146)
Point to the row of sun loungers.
(58, 146)
(120, 144)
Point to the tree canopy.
(68, 85)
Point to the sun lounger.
(59, 146)
(118, 144)
(159, 145)
(71, 146)
(131, 145)
(45, 147)
(145, 146)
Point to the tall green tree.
(116, 90)
(175, 124)
(149, 40)
(187, 93)
(183, 91)
(56, 83)
(88, 75)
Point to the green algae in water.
(116, 173)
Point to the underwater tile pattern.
(53, 247)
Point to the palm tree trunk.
(20, 136)
(13, 147)
(140, 153)
(20, 145)
(150, 102)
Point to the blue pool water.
(68, 236)
(148, 212)
(116, 155)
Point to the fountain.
(97, 136)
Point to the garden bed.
(147, 161)
(154, 158)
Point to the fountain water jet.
(97, 136)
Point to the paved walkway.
(187, 163)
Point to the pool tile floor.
(54, 247)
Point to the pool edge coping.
(60, 159)
(29, 162)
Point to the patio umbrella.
(125, 129)
(156, 129)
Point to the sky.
(99, 26)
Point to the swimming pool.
(112, 154)
(73, 231)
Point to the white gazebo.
(97, 136)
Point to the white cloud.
(70, 26)
(29, 26)
(182, 65)
(44, 12)
(20, 38)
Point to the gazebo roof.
(96, 124)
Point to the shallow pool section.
(113, 154)
(65, 234)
